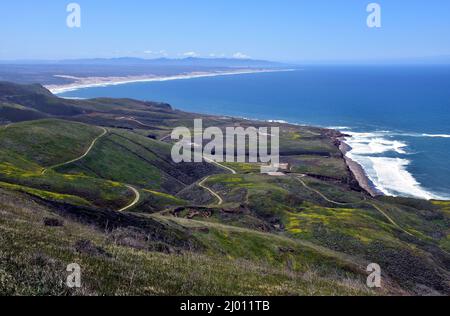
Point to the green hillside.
(126, 157)
(94, 183)
(48, 142)
(122, 262)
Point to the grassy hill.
(48, 142)
(126, 157)
(121, 261)
(92, 182)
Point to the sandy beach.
(89, 82)
(358, 171)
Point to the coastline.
(88, 82)
(361, 173)
(357, 170)
(91, 82)
(387, 174)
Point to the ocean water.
(399, 116)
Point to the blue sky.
(285, 30)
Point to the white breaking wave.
(347, 130)
(436, 135)
(418, 135)
(278, 121)
(339, 127)
(373, 143)
(389, 175)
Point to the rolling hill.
(92, 182)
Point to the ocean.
(399, 116)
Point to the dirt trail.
(318, 192)
(217, 196)
(202, 185)
(135, 201)
(136, 121)
(165, 137)
(389, 219)
(82, 156)
(219, 165)
(105, 131)
(344, 204)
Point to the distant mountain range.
(226, 62)
(49, 72)
(132, 61)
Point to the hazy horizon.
(421, 60)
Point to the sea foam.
(436, 135)
(374, 143)
(390, 175)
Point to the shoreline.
(92, 82)
(389, 175)
(358, 171)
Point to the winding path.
(202, 183)
(219, 165)
(134, 120)
(165, 137)
(318, 192)
(217, 196)
(133, 189)
(81, 157)
(135, 201)
(389, 219)
(343, 204)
